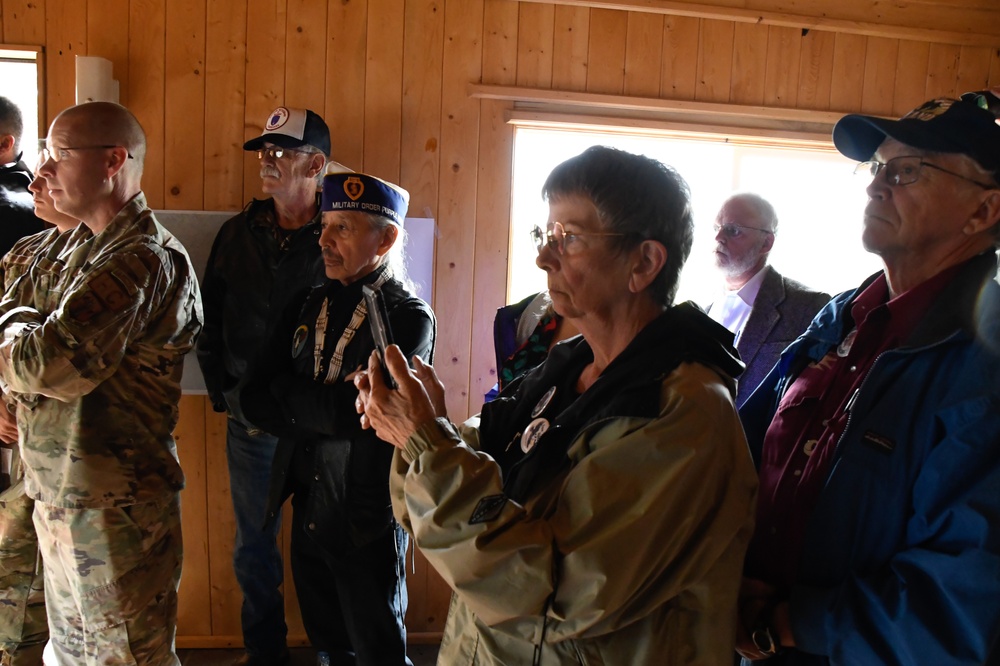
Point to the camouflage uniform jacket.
(95, 363)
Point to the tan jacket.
(639, 545)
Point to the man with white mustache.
(260, 260)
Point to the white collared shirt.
(733, 309)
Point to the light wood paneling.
(224, 113)
(606, 54)
(681, 36)
(749, 64)
(384, 88)
(942, 71)
(534, 45)
(305, 55)
(500, 42)
(393, 79)
(974, 67)
(147, 57)
(23, 21)
(458, 185)
(184, 140)
(643, 51)
(781, 81)
(816, 70)
(66, 32)
(570, 48)
(347, 30)
(880, 75)
(715, 61)
(225, 598)
(421, 112)
(911, 76)
(848, 72)
(196, 579)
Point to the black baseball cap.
(293, 128)
(940, 125)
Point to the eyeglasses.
(905, 170)
(275, 152)
(558, 239)
(733, 230)
(59, 154)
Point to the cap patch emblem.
(930, 110)
(354, 188)
(277, 119)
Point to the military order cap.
(359, 192)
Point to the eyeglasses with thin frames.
(276, 152)
(557, 238)
(58, 153)
(733, 230)
(905, 170)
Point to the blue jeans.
(256, 559)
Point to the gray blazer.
(781, 312)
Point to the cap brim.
(281, 140)
(858, 137)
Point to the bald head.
(94, 162)
(107, 124)
(758, 211)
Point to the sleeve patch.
(488, 509)
(84, 306)
(110, 292)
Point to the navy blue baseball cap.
(351, 191)
(940, 125)
(293, 128)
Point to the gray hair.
(762, 208)
(395, 258)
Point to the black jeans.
(353, 605)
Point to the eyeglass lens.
(898, 171)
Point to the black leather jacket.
(17, 211)
(252, 273)
(344, 469)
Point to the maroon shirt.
(802, 439)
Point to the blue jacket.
(901, 557)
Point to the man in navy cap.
(877, 434)
(347, 550)
(261, 258)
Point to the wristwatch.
(764, 641)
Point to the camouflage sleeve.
(67, 353)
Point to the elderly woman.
(598, 511)
(347, 551)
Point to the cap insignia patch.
(354, 188)
(930, 110)
(277, 119)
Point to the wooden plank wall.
(390, 77)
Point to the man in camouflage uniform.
(95, 365)
(24, 627)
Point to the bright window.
(19, 73)
(818, 200)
